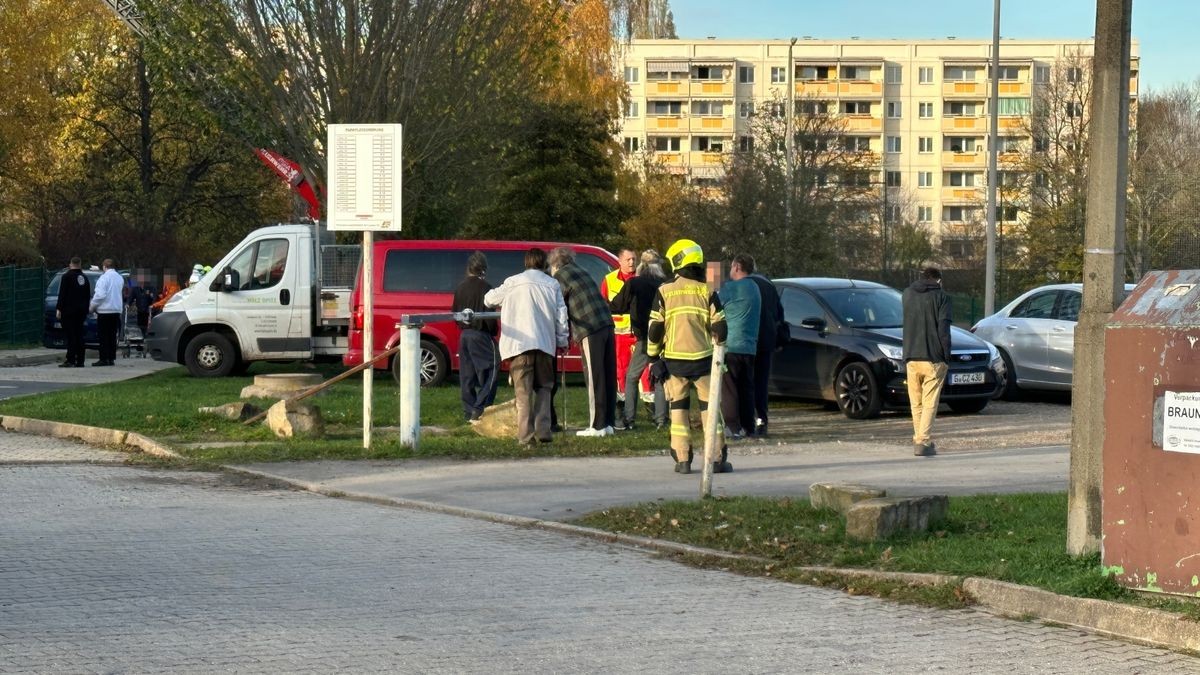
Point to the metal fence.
(22, 290)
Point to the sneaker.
(647, 398)
(738, 435)
(760, 430)
(924, 449)
(595, 433)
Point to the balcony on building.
(712, 77)
(668, 78)
(711, 116)
(709, 151)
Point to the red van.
(419, 277)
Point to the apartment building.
(919, 107)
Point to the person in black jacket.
(74, 294)
(478, 361)
(926, 353)
(772, 333)
(635, 299)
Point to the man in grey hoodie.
(926, 353)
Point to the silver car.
(1036, 337)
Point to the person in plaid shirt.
(592, 328)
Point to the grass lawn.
(1019, 538)
(164, 406)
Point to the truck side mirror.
(226, 282)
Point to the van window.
(261, 264)
(434, 271)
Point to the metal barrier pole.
(714, 419)
(410, 384)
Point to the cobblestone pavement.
(122, 569)
(21, 449)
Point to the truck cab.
(259, 303)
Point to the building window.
(924, 179)
(1041, 74)
(857, 108)
(925, 110)
(957, 214)
(1006, 214)
(1008, 73)
(665, 108)
(892, 178)
(892, 214)
(666, 144)
(858, 179)
(961, 179)
(1074, 109)
(1074, 74)
(631, 109)
(925, 144)
(959, 74)
(960, 144)
(708, 108)
(1008, 179)
(710, 144)
(746, 109)
(778, 109)
(894, 74)
(778, 75)
(1041, 144)
(813, 72)
(660, 74)
(856, 73)
(1040, 180)
(893, 109)
(925, 74)
(959, 109)
(893, 144)
(1012, 107)
(710, 73)
(1010, 144)
(924, 214)
(632, 144)
(631, 74)
(746, 74)
(857, 143)
(814, 107)
(746, 143)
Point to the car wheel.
(858, 394)
(970, 405)
(1010, 391)
(434, 365)
(210, 355)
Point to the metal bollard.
(410, 385)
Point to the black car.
(53, 336)
(845, 347)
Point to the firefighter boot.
(685, 466)
(722, 465)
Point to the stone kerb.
(841, 496)
(876, 519)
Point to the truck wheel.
(210, 355)
(435, 367)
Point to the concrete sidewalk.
(565, 488)
(31, 356)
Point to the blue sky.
(1166, 30)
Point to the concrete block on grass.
(877, 519)
(841, 496)
(294, 419)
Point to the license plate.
(968, 378)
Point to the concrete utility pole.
(1103, 267)
(989, 291)
(790, 141)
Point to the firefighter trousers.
(679, 396)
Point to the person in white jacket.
(107, 303)
(533, 325)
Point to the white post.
(368, 300)
(714, 420)
(989, 281)
(410, 386)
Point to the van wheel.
(210, 355)
(858, 393)
(434, 365)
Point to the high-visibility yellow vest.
(613, 284)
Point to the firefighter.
(685, 321)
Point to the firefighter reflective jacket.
(684, 321)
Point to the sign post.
(364, 196)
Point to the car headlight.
(891, 351)
(993, 354)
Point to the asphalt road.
(117, 569)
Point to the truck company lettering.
(1176, 411)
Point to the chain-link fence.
(22, 290)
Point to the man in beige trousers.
(926, 353)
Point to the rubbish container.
(1151, 485)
